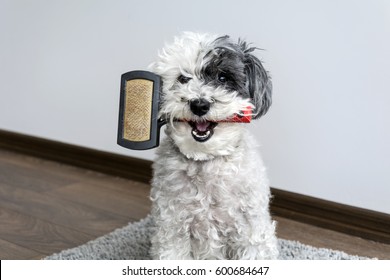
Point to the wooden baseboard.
(109, 163)
(334, 216)
(356, 221)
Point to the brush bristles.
(138, 110)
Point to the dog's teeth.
(205, 135)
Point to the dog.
(210, 193)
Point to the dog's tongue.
(202, 126)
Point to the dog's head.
(207, 79)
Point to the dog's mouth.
(202, 130)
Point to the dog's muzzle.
(201, 130)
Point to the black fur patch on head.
(258, 81)
(225, 66)
(234, 67)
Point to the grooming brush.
(139, 126)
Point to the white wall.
(327, 134)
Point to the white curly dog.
(210, 190)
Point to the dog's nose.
(199, 106)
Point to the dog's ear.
(258, 82)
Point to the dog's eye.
(183, 79)
(222, 78)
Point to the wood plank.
(74, 215)
(10, 251)
(28, 178)
(128, 201)
(121, 185)
(41, 236)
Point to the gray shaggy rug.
(132, 242)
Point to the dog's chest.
(212, 191)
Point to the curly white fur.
(210, 198)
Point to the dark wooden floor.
(46, 207)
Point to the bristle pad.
(138, 110)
